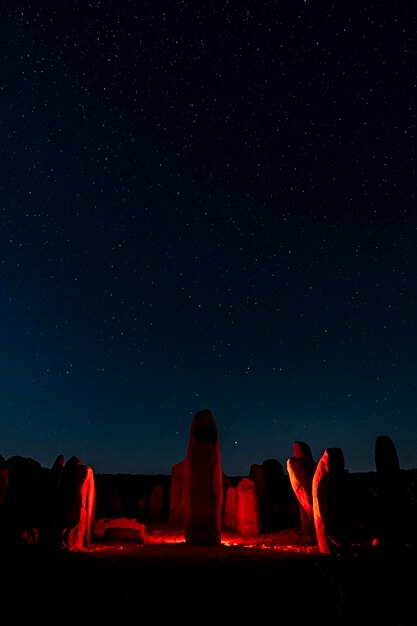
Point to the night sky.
(207, 205)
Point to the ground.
(277, 578)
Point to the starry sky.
(207, 205)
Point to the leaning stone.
(301, 467)
(203, 488)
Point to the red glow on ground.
(284, 542)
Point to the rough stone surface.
(230, 510)
(248, 519)
(203, 489)
(393, 515)
(76, 505)
(301, 467)
(331, 503)
(177, 493)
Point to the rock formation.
(203, 488)
(176, 498)
(76, 505)
(301, 467)
(248, 519)
(392, 517)
(230, 510)
(331, 503)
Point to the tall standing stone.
(203, 488)
(22, 503)
(301, 467)
(392, 522)
(76, 505)
(331, 502)
(280, 506)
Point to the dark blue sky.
(207, 205)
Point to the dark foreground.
(280, 581)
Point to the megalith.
(230, 510)
(176, 494)
(22, 502)
(392, 519)
(76, 505)
(156, 502)
(203, 488)
(248, 519)
(301, 467)
(331, 502)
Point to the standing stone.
(248, 519)
(392, 520)
(226, 484)
(331, 502)
(58, 466)
(177, 494)
(257, 475)
(22, 507)
(230, 510)
(280, 506)
(156, 502)
(301, 467)
(76, 505)
(203, 489)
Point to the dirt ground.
(273, 579)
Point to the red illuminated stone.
(203, 488)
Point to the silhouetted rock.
(279, 507)
(331, 503)
(21, 508)
(58, 466)
(203, 489)
(258, 477)
(393, 514)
